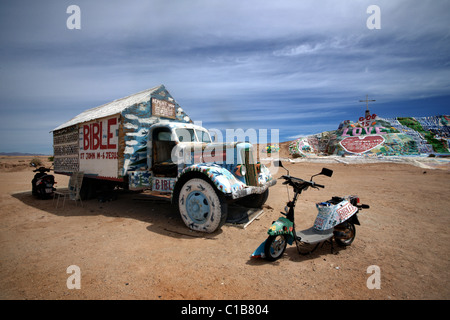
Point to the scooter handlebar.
(318, 185)
(294, 180)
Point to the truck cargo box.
(109, 141)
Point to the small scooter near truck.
(147, 142)
(336, 220)
(42, 185)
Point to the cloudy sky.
(297, 66)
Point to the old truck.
(147, 142)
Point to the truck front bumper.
(253, 190)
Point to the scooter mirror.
(327, 172)
(279, 163)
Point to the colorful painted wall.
(304, 146)
(373, 135)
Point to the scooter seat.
(313, 235)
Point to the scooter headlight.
(286, 209)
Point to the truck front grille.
(251, 175)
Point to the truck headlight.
(243, 170)
(240, 170)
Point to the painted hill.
(373, 135)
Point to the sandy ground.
(134, 249)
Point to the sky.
(299, 67)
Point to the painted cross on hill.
(367, 104)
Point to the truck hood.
(214, 152)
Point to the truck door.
(163, 144)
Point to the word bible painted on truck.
(99, 136)
(98, 143)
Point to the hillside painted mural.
(374, 135)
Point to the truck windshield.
(188, 135)
(203, 136)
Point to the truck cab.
(202, 176)
(166, 139)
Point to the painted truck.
(147, 142)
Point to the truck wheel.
(201, 207)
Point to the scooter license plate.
(48, 190)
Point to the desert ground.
(135, 249)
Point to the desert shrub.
(36, 161)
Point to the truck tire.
(88, 189)
(201, 207)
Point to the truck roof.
(175, 125)
(110, 108)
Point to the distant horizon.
(19, 154)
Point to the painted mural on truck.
(65, 149)
(137, 149)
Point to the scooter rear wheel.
(345, 234)
(274, 247)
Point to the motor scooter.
(336, 220)
(42, 183)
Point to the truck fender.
(220, 177)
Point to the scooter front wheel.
(274, 247)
